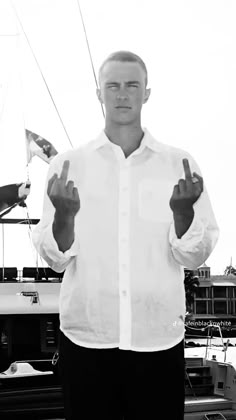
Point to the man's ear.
(146, 96)
(99, 95)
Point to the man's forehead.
(122, 70)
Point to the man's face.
(123, 91)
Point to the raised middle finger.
(64, 171)
(188, 174)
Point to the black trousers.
(114, 384)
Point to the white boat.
(29, 381)
(210, 380)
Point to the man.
(123, 215)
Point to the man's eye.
(112, 87)
(133, 86)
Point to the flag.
(38, 146)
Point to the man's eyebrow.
(112, 83)
(127, 83)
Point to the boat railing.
(209, 337)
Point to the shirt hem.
(157, 348)
(119, 346)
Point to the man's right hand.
(63, 195)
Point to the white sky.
(189, 49)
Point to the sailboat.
(29, 289)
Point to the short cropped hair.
(125, 57)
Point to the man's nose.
(122, 94)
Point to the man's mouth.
(123, 107)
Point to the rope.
(8, 210)
(89, 51)
(31, 243)
(49, 92)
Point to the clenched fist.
(186, 192)
(62, 193)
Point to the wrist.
(63, 230)
(183, 213)
(183, 221)
(63, 218)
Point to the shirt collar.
(147, 141)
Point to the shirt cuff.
(52, 250)
(191, 239)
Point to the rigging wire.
(42, 75)
(89, 51)
(23, 113)
(31, 242)
(4, 96)
(8, 210)
(50, 94)
(60, 118)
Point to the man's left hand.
(186, 192)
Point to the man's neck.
(128, 137)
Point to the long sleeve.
(196, 245)
(43, 238)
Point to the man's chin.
(123, 119)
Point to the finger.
(199, 179)
(69, 187)
(197, 189)
(176, 191)
(182, 185)
(76, 194)
(65, 170)
(187, 171)
(51, 182)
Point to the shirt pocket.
(153, 200)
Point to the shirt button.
(124, 213)
(124, 267)
(124, 293)
(124, 189)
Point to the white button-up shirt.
(124, 274)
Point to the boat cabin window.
(8, 273)
(41, 274)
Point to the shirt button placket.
(124, 257)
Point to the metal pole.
(3, 254)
